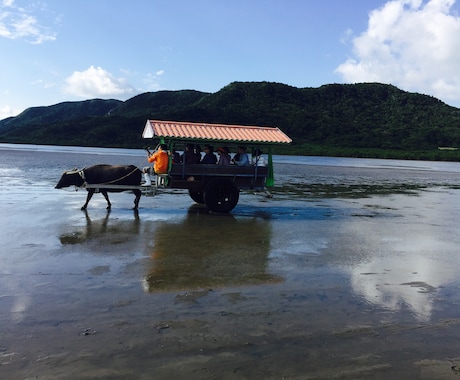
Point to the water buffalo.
(127, 175)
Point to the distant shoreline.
(448, 154)
(283, 159)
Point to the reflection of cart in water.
(211, 252)
(215, 186)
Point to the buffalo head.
(70, 178)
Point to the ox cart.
(216, 186)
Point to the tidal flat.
(348, 272)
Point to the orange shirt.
(160, 161)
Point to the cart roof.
(217, 132)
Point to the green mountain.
(61, 112)
(338, 116)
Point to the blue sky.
(58, 50)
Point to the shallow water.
(348, 272)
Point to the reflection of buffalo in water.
(206, 250)
(127, 175)
(112, 231)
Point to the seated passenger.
(258, 159)
(176, 157)
(224, 156)
(243, 158)
(197, 152)
(209, 156)
(160, 160)
(189, 156)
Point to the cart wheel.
(197, 196)
(221, 195)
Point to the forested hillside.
(335, 116)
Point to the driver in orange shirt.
(160, 160)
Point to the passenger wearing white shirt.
(258, 159)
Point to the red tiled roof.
(217, 132)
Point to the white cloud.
(19, 23)
(7, 111)
(43, 84)
(412, 44)
(151, 81)
(95, 82)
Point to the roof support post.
(270, 181)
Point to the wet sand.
(347, 273)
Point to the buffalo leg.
(106, 196)
(88, 198)
(138, 194)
